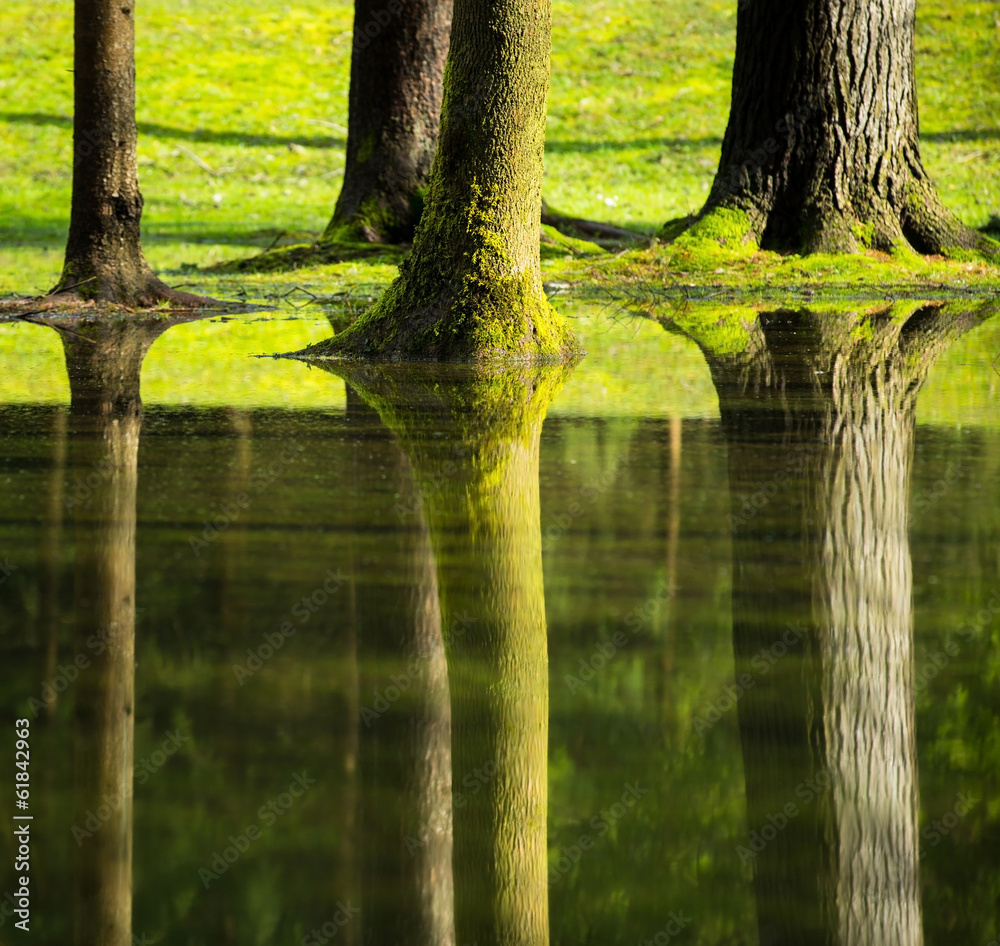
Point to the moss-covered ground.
(242, 113)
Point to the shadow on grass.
(155, 130)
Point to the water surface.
(692, 640)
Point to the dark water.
(711, 656)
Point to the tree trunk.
(819, 418)
(397, 65)
(472, 288)
(104, 259)
(479, 483)
(822, 151)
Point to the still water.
(696, 641)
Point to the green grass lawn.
(242, 112)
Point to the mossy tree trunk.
(822, 150)
(479, 483)
(819, 417)
(472, 288)
(405, 746)
(104, 259)
(397, 65)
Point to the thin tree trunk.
(819, 418)
(472, 288)
(397, 67)
(822, 149)
(405, 751)
(104, 259)
(480, 482)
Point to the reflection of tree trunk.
(819, 421)
(105, 418)
(103, 360)
(48, 588)
(481, 483)
(405, 751)
(233, 539)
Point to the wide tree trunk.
(822, 150)
(819, 418)
(104, 259)
(472, 287)
(479, 484)
(397, 66)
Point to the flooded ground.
(695, 641)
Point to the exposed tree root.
(575, 227)
(305, 255)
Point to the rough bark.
(405, 752)
(104, 259)
(472, 288)
(819, 418)
(822, 149)
(479, 483)
(397, 66)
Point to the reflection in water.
(472, 437)
(103, 359)
(819, 420)
(405, 735)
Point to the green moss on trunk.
(472, 287)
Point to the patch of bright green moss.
(556, 245)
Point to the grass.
(242, 112)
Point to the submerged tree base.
(506, 319)
(112, 286)
(926, 228)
